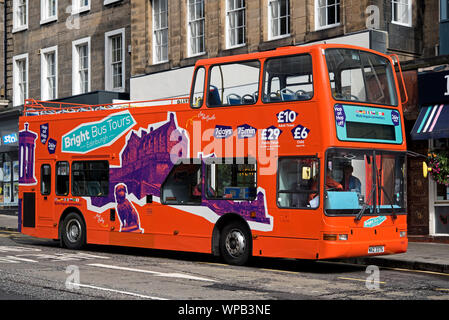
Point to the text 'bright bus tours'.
(297, 152)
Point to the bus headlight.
(402, 234)
(343, 237)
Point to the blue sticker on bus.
(222, 132)
(44, 133)
(340, 116)
(374, 222)
(395, 117)
(271, 133)
(300, 132)
(286, 116)
(246, 131)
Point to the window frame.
(44, 73)
(108, 68)
(317, 191)
(195, 21)
(159, 30)
(24, 25)
(409, 8)
(261, 96)
(77, 8)
(17, 96)
(107, 2)
(444, 10)
(45, 6)
(76, 86)
(230, 30)
(319, 27)
(271, 19)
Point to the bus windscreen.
(360, 130)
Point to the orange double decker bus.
(297, 152)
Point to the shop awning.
(432, 123)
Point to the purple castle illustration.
(147, 161)
(27, 146)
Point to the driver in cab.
(330, 184)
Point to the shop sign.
(10, 138)
(433, 88)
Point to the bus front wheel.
(73, 231)
(235, 243)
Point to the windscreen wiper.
(365, 205)
(394, 216)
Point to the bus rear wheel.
(73, 232)
(235, 243)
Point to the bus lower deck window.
(62, 178)
(90, 178)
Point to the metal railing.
(33, 107)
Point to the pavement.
(421, 254)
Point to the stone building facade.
(70, 50)
(59, 31)
(399, 29)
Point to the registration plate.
(376, 249)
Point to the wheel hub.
(235, 243)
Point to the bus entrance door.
(45, 199)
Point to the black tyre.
(235, 243)
(73, 231)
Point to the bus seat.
(214, 96)
(93, 188)
(287, 96)
(234, 99)
(299, 200)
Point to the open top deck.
(33, 107)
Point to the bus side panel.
(278, 247)
(165, 227)
(162, 242)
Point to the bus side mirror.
(425, 169)
(306, 173)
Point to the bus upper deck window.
(361, 76)
(234, 84)
(288, 79)
(197, 95)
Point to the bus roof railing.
(33, 107)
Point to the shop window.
(9, 179)
(183, 185)
(90, 178)
(62, 178)
(235, 180)
(441, 193)
(45, 179)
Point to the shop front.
(432, 125)
(9, 165)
